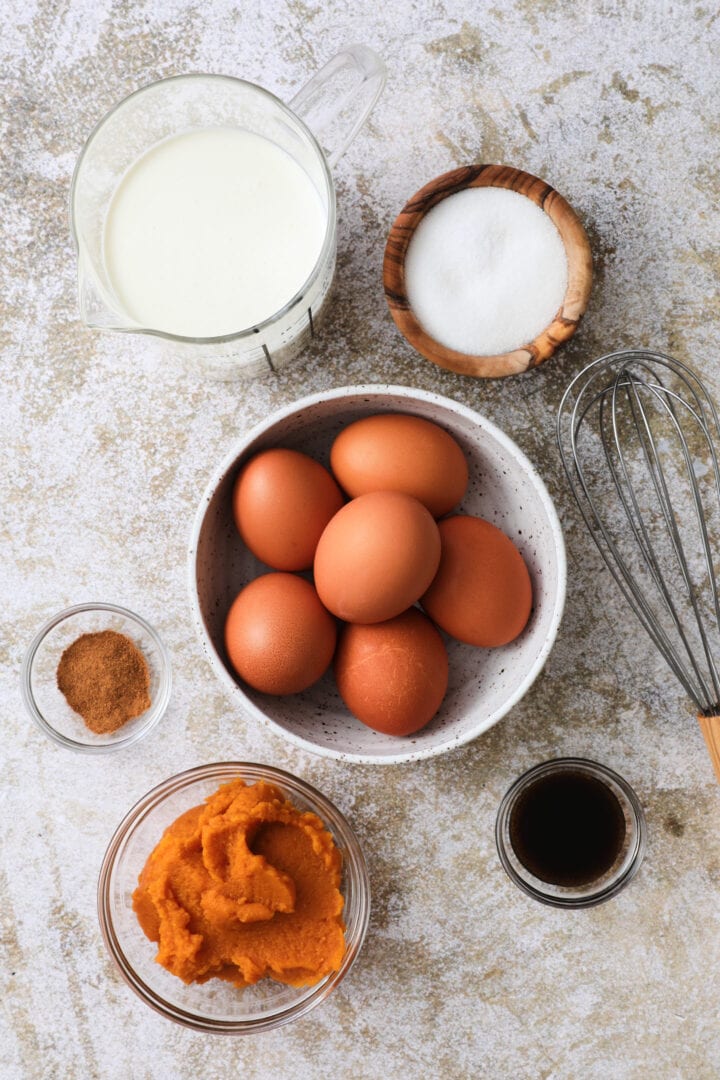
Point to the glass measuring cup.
(315, 129)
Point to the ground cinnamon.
(105, 679)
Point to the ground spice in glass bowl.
(105, 678)
(96, 678)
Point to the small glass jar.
(611, 879)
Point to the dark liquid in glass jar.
(567, 828)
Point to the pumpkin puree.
(242, 888)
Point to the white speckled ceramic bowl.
(484, 683)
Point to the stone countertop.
(106, 449)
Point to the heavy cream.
(485, 271)
(211, 232)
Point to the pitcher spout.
(96, 308)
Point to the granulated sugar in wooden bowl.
(487, 270)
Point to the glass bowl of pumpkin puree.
(234, 898)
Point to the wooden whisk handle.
(710, 727)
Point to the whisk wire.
(635, 384)
(706, 426)
(634, 513)
(656, 471)
(617, 566)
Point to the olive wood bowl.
(577, 250)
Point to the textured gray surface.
(106, 451)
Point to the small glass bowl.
(610, 883)
(47, 704)
(218, 1006)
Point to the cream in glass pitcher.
(210, 231)
(203, 211)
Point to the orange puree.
(244, 887)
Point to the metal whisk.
(637, 433)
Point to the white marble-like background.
(105, 452)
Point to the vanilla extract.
(567, 828)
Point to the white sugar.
(485, 271)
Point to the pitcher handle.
(339, 98)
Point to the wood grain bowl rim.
(577, 250)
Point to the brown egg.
(398, 452)
(282, 501)
(376, 557)
(279, 637)
(392, 675)
(482, 593)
